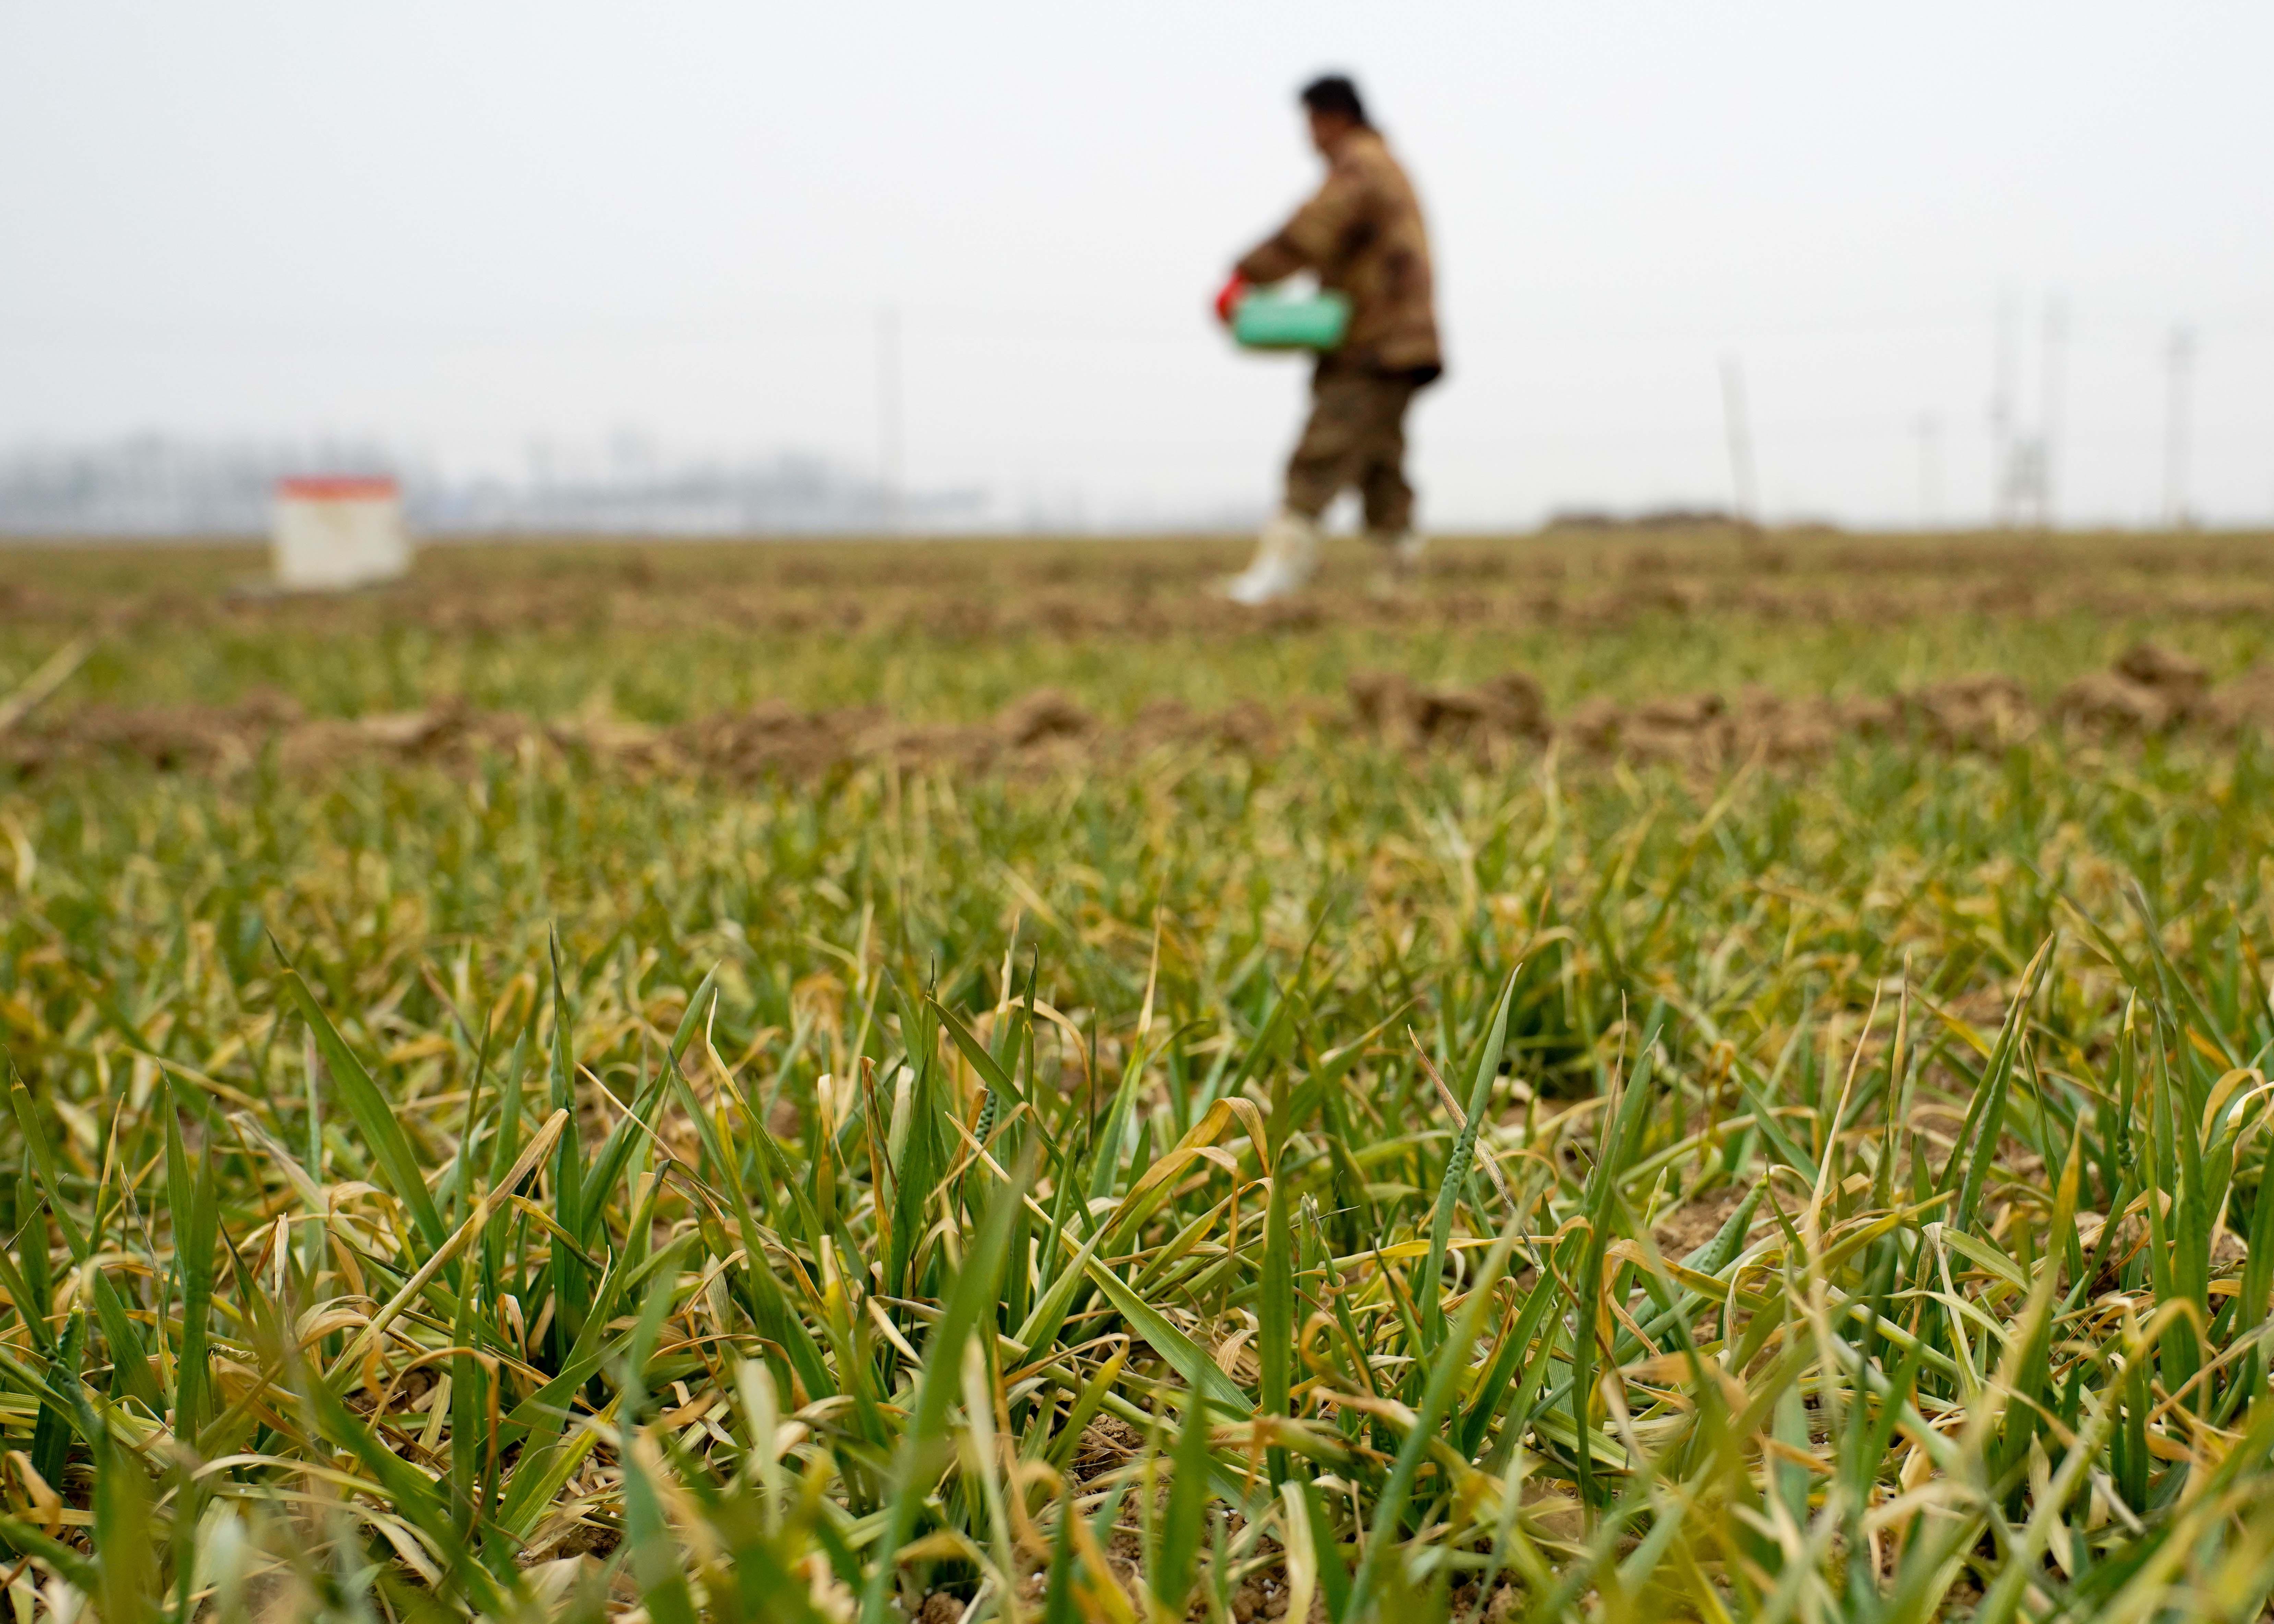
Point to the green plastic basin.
(1267, 321)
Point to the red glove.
(1227, 298)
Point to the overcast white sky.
(468, 228)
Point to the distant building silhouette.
(154, 485)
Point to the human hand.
(1228, 296)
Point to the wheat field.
(1690, 1074)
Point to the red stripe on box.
(335, 487)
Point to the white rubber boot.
(1286, 553)
(1405, 551)
(1400, 557)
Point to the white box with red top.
(337, 530)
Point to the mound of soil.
(2149, 691)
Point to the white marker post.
(338, 532)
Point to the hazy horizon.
(482, 230)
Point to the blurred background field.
(953, 630)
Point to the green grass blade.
(374, 1117)
(1455, 1178)
(1180, 1521)
(1445, 1372)
(1275, 1310)
(922, 1450)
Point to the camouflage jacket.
(1362, 235)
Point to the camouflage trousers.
(1355, 440)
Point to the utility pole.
(888, 415)
(2054, 339)
(2178, 374)
(1929, 428)
(2003, 367)
(1740, 440)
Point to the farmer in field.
(1361, 235)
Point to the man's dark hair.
(1336, 96)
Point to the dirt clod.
(2149, 691)
(1046, 713)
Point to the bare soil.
(2149, 691)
